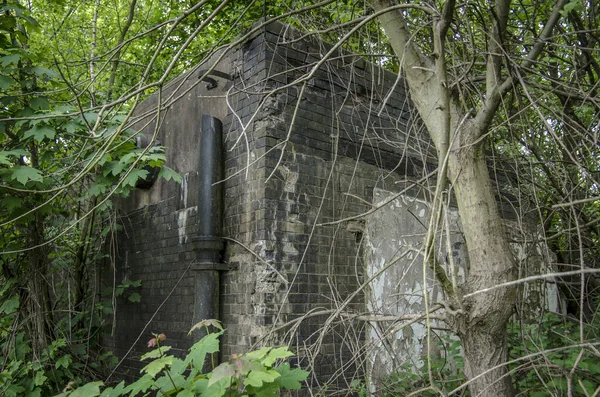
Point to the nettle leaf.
(257, 378)
(11, 203)
(156, 352)
(14, 391)
(24, 174)
(91, 389)
(168, 173)
(40, 132)
(157, 365)
(291, 378)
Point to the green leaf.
(134, 176)
(114, 392)
(257, 378)
(42, 71)
(217, 389)
(157, 365)
(267, 390)
(178, 366)
(574, 5)
(63, 361)
(4, 156)
(97, 189)
(14, 391)
(168, 173)
(223, 371)
(128, 158)
(40, 378)
(186, 393)
(134, 297)
(275, 354)
(291, 378)
(10, 305)
(156, 352)
(91, 389)
(6, 82)
(139, 386)
(10, 59)
(258, 354)
(24, 174)
(40, 132)
(39, 103)
(206, 345)
(206, 323)
(37, 392)
(113, 167)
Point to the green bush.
(546, 358)
(258, 373)
(551, 360)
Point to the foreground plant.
(257, 373)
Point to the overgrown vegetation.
(260, 372)
(71, 75)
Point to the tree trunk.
(482, 325)
(39, 306)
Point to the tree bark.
(482, 325)
(481, 320)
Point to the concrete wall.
(394, 244)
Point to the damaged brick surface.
(299, 170)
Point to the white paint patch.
(184, 189)
(182, 217)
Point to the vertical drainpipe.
(208, 243)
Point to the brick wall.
(296, 167)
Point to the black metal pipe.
(208, 243)
(210, 192)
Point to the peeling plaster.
(395, 234)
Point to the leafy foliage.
(257, 373)
(555, 361)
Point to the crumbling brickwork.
(304, 148)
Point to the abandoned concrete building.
(303, 142)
